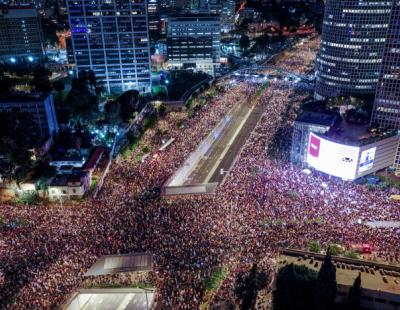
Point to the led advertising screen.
(332, 158)
(367, 159)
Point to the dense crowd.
(263, 204)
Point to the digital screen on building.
(367, 159)
(332, 158)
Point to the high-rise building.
(228, 15)
(112, 39)
(386, 113)
(153, 11)
(194, 42)
(352, 43)
(21, 35)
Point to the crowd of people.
(263, 204)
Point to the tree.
(6, 85)
(129, 102)
(294, 288)
(112, 111)
(247, 286)
(353, 298)
(18, 134)
(82, 100)
(326, 286)
(59, 87)
(41, 79)
(244, 42)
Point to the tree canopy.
(18, 134)
(82, 101)
(129, 103)
(353, 298)
(247, 286)
(326, 286)
(294, 288)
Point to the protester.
(263, 204)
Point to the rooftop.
(111, 264)
(318, 118)
(66, 179)
(22, 97)
(372, 274)
(104, 299)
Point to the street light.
(30, 58)
(13, 60)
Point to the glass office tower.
(194, 41)
(111, 38)
(352, 43)
(386, 113)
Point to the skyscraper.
(21, 35)
(386, 113)
(112, 39)
(153, 11)
(194, 42)
(228, 15)
(352, 43)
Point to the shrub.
(336, 249)
(314, 246)
(28, 198)
(352, 254)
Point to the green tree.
(82, 101)
(129, 103)
(6, 84)
(326, 286)
(244, 42)
(59, 88)
(353, 298)
(247, 286)
(294, 288)
(41, 79)
(18, 134)
(112, 111)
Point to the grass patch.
(93, 185)
(212, 284)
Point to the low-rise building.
(73, 157)
(316, 122)
(40, 107)
(68, 186)
(131, 273)
(380, 283)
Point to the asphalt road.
(227, 145)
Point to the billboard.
(334, 158)
(367, 159)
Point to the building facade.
(21, 35)
(153, 10)
(112, 39)
(41, 108)
(193, 41)
(386, 112)
(352, 43)
(228, 15)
